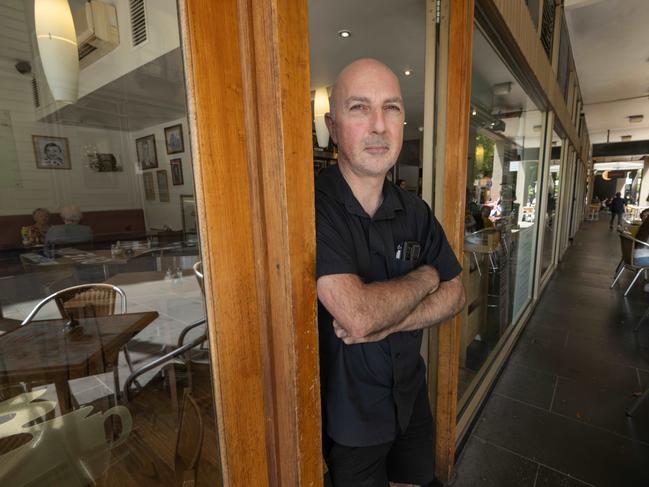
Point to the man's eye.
(393, 108)
(358, 107)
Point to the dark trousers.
(619, 218)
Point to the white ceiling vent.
(139, 27)
(625, 138)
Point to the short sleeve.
(438, 252)
(334, 247)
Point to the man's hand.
(349, 340)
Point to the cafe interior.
(102, 303)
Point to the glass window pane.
(500, 223)
(554, 183)
(99, 220)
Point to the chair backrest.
(627, 246)
(189, 441)
(83, 301)
(198, 272)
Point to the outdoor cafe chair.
(628, 244)
(88, 301)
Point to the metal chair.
(628, 245)
(484, 241)
(88, 301)
(189, 442)
(198, 272)
(643, 397)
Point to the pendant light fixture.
(57, 45)
(320, 107)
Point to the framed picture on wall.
(188, 211)
(176, 172)
(149, 186)
(147, 156)
(163, 185)
(174, 139)
(51, 152)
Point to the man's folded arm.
(363, 309)
(444, 303)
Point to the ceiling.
(609, 42)
(150, 95)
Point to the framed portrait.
(51, 152)
(188, 211)
(174, 139)
(176, 172)
(149, 186)
(147, 156)
(163, 185)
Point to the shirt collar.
(332, 182)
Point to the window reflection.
(500, 222)
(104, 360)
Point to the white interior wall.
(31, 187)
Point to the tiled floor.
(557, 414)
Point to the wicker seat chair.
(628, 245)
(88, 301)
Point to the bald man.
(385, 271)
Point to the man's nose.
(378, 121)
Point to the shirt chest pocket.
(398, 267)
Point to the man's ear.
(331, 127)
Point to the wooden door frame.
(247, 68)
(452, 208)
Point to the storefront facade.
(493, 142)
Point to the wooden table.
(8, 324)
(41, 352)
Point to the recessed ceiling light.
(474, 112)
(344, 33)
(405, 123)
(636, 118)
(421, 129)
(625, 138)
(408, 72)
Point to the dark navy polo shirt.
(368, 390)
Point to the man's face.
(53, 152)
(368, 122)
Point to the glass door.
(105, 362)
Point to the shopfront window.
(108, 382)
(502, 191)
(551, 208)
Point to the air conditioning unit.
(97, 33)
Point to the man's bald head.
(360, 66)
(366, 118)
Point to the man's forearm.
(445, 302)
(362, 309)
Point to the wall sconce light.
(320, 107)
(57, 45)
